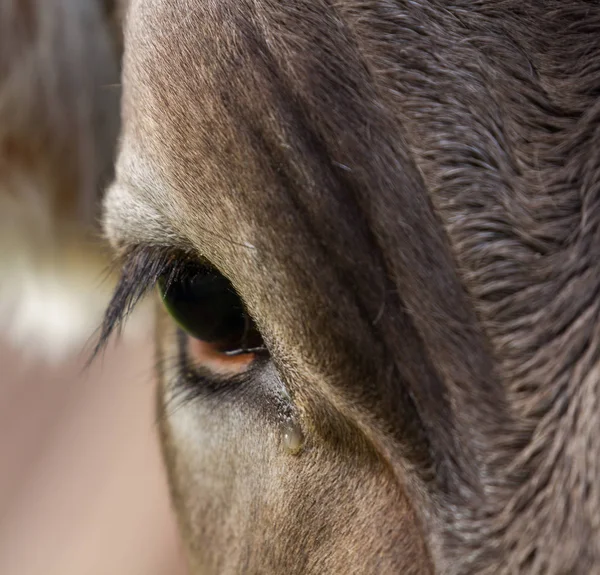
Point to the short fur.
(404, 193)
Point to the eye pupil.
(206, 306)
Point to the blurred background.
(82, 488)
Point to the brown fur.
(404, 194)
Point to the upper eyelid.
(129, 220)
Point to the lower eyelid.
(207, 356)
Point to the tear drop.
(293, 438)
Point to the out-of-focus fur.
(59, 117)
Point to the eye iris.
(205, 305)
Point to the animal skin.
(405, 195)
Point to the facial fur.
(404, 196)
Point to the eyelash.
(142, 266)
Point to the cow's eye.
(205, 305)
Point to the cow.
(370, 226)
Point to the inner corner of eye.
(220, 335)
